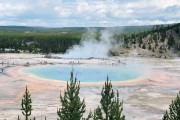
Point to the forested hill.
(37, 40)
(161, 41)
(158, 40)
(48, 40)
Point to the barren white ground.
(144, 99)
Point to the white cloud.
(63, 12)
(158, 4)
(89, 12)
(82, 6)
(152, 22)
(164, 3)
(8, 9)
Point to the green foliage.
(26, 104)
(39, 42)
(116, 109)
(144, 46)
(177, 30)
(107, 96)
(174, 110)
(110, 105)
(140, 40)
(72, 107)
(98, 114)
(46, 40)
(89, 116)
(161, 50)
(166, 116)
(163, 35)
(171, 41)
(59, 40)
(155, 37)
(149, 47)
(126, 41)
(156, 44)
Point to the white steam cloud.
(90, 46)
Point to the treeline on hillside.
(160, 39)
(73, 108)
(38, 42)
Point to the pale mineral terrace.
(146, 98)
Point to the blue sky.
(88, 13)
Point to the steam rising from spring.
(90, 46)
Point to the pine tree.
(161, 50)
(26, 104)
(18, 118)
(72, 107)
(171, 41)
(166, 116)
(140, 41)
(116, 109)
(177, 30)
(149, 46)
(110, 105)
(163, 36)
(174, 110)
(107, 96)
(89, 116)
(98, 114)
(144, 46)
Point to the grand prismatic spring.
(86, 73)
(132, 44)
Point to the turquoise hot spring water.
(86, 73)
